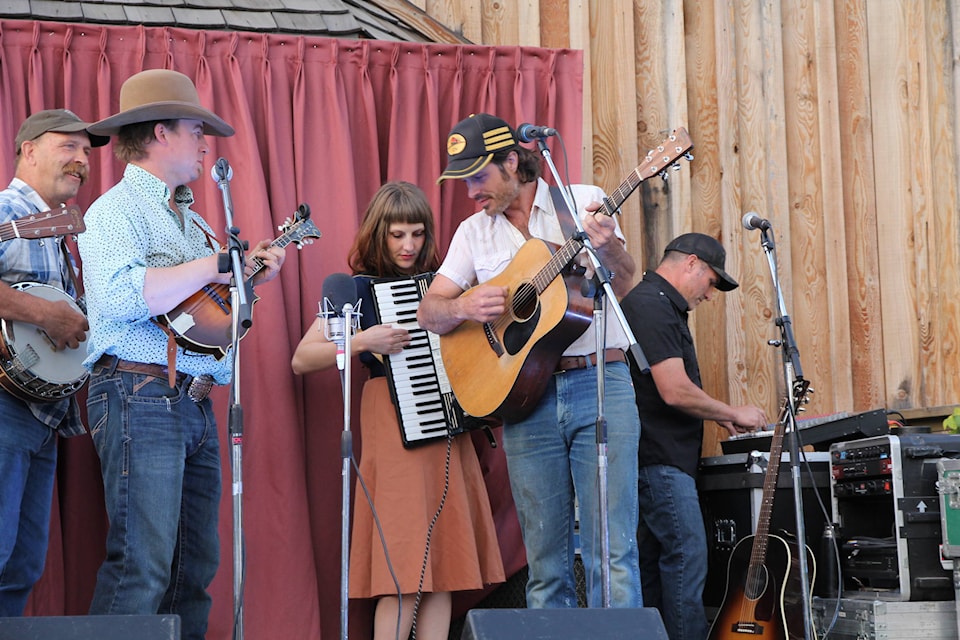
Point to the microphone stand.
(232, 262)
(603, 277)
(792, 373)
(346, 455)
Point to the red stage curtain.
(322, 122)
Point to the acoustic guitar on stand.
(763, 599)
(502, 367)
(203, 323)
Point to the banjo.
(31, 368)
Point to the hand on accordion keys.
(385, 339)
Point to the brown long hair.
(394, 202)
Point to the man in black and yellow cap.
(673, 406)
(549, 433)
(52, 151)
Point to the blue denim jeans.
(161, 473)
(673, 550)
(28, 461)
(551, 455)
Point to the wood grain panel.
(860, 207)
(835, 119)
(891, 89)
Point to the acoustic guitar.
(502, 367)
(763, 598)
(203, 322)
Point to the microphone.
(531, 132)
(221, 171)
(338, 306)
(752, 221)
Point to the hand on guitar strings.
(63, 326)
(601, 229)
(271, 257)
(483, 303)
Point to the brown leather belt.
(199, 387)
(572, 363)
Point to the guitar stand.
(604, 294)
(242, 316)
(792, 374)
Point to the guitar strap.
(567, 224)
(77, 284)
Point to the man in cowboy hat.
(552, 452)
(52, 161)
(144, 252)
(673, 406)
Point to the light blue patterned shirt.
(38, 261)
(129, 228)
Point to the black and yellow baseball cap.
(472, 143)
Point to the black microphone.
(221, 171)
(752, 221)
(339, 302)
(531, 132)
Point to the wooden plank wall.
(837, 120)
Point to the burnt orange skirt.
(406, 487)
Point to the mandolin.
(203, 322)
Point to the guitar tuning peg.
(688, 156)
(675, 166)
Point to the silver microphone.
(221, 171)
(752, 220)
(339, 311)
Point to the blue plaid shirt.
(39, 261)
(130, 228)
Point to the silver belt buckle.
(200, 387)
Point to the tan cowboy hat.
(160, 94)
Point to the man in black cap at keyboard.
(673, 406)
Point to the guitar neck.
(611, 204)
(259, 264)
(800, 390)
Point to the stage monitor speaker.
(157, 627)
(564, 624)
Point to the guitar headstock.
(801, 394)
(55, 222)
(300, 230)
(667, 154)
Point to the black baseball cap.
(707, 249)
(58, 121)
(472, 143)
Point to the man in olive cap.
(52, 152)
(552, 451)
(673, 406)
(144, 252)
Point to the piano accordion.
(426, 407)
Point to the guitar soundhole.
(756, 583)
(525, 302)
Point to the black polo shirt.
(657, 314)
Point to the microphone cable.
(433, 522)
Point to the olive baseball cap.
(58, 121)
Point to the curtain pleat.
(322, 122)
